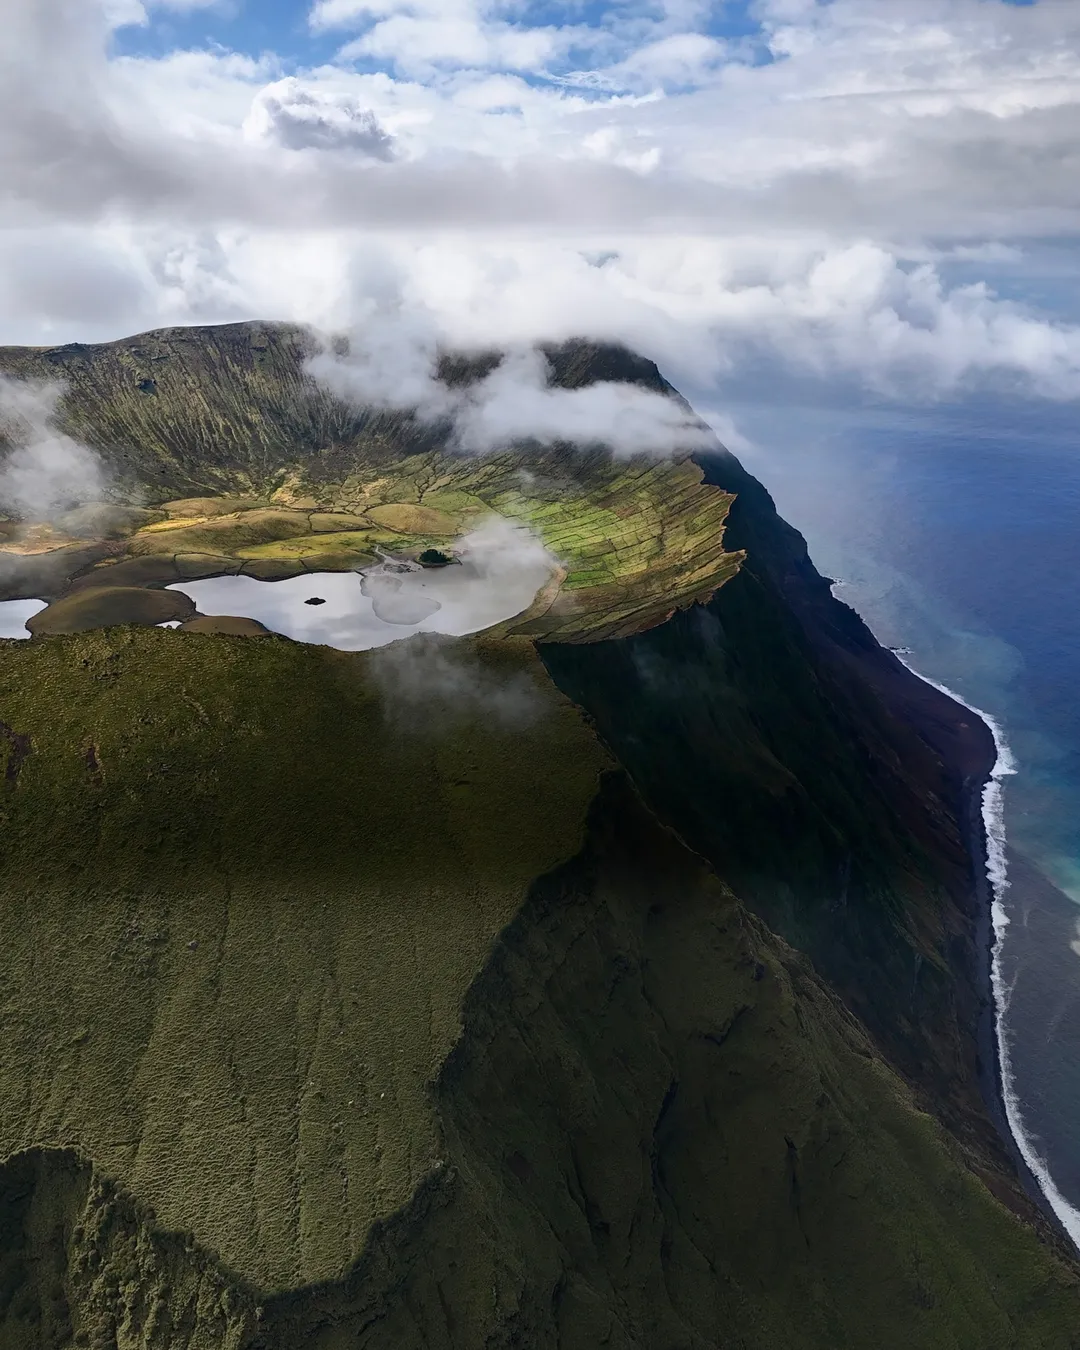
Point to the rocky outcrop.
(82, 1264)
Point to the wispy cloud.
(43, 471)
(395, 364)
(429, 682)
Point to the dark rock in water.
(315, 600)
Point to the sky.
(875, 196)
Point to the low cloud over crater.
(43, 471)
(396, 365)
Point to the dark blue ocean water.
(955, 531)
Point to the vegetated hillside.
(835, 791)
(302, 482)
(246, 893)
(186, 412)
(380, 1001)
(251, 896)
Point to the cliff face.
(656, 1128)
(642, 1014)
(660, 1130)
(835, 791)
(84, 1265)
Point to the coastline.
(984, 802)
(971, 754)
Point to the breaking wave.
(997, 871)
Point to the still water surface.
(501, 568)
(14, 614)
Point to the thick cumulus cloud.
(287, 114)
(855, 190)
(878, 117)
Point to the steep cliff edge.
(663, 1131)
(339, 1017)
(834, 790)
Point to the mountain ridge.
(650, 1119)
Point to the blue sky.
(279, 26)
(254, 27)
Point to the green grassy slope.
(242, 903)
(258, 466)
(657, 1128)
(357, 1002)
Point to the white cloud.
(353, 13)
(703, 308)
(297, 118)
(514, 403)
(806, 212)
(392, 363)
(121, 13)
(124, 13)
(420, 44)
(427, 678)
(679, 59)
(44, 471)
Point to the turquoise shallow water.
(956, 533)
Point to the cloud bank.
(861, 190)
(393, 365)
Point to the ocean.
(955, 532)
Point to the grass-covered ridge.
(360, 1002)
(244, 892)
(657, 1127)
(247, 464)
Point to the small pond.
(501, 568)
(14, 614)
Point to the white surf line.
(997, 871)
